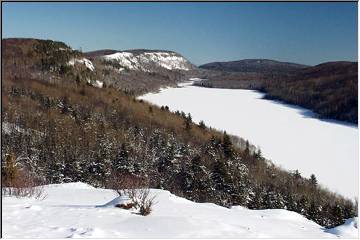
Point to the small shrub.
(125, 206)
(136, 188)
(145, 201)
(19, 182)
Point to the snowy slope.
(147, 61)
(287, 135)
(75, 210)
(89, 65)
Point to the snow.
(146, 60)
(289, 136)
(8, 128)
(116, 201)
(347, 229)
(125, 59)
(85, 61)
(98, 84)
(77, 210)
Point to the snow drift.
(75, 210)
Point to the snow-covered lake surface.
(288, 135)
(77, 210)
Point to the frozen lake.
(287, 135)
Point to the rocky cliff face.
(148, 61)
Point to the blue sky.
(308, 33)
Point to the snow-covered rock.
(147, 61)
(84, 61)
(98, 84)
(79, 210)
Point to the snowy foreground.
(289, 136)
(77, 210)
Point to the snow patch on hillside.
(75, 210)
(147, 60)
(84, 61)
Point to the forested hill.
(133, 71)
(254, 66)
(61, 123)
(329, 89)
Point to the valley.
(70, 116)
(290, 136)
(179, 119)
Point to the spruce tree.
(202, 125)
(313, 180)
(227, 146)
(188, 121)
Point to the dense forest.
(56, 127)
(254, 66)
(329, 89)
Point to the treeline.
(330, 90)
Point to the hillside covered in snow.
(78, 210)
(148, 61)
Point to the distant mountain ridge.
(254, 65)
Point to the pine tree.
(188, 121)
(313, 180)
(121, 162)
(247, 148)
(297, 175)
(258, 154)
(202, 125)
(189, 118)
(227, 145)
(313, 212)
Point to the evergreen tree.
(313, 212)
(227, 145)
(121, 162)
(313, 180)
(297, 174)
(247, 148)
(258, 154)
(188, 121)
(189, 118)
(202, 125)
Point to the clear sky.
(308, 33)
